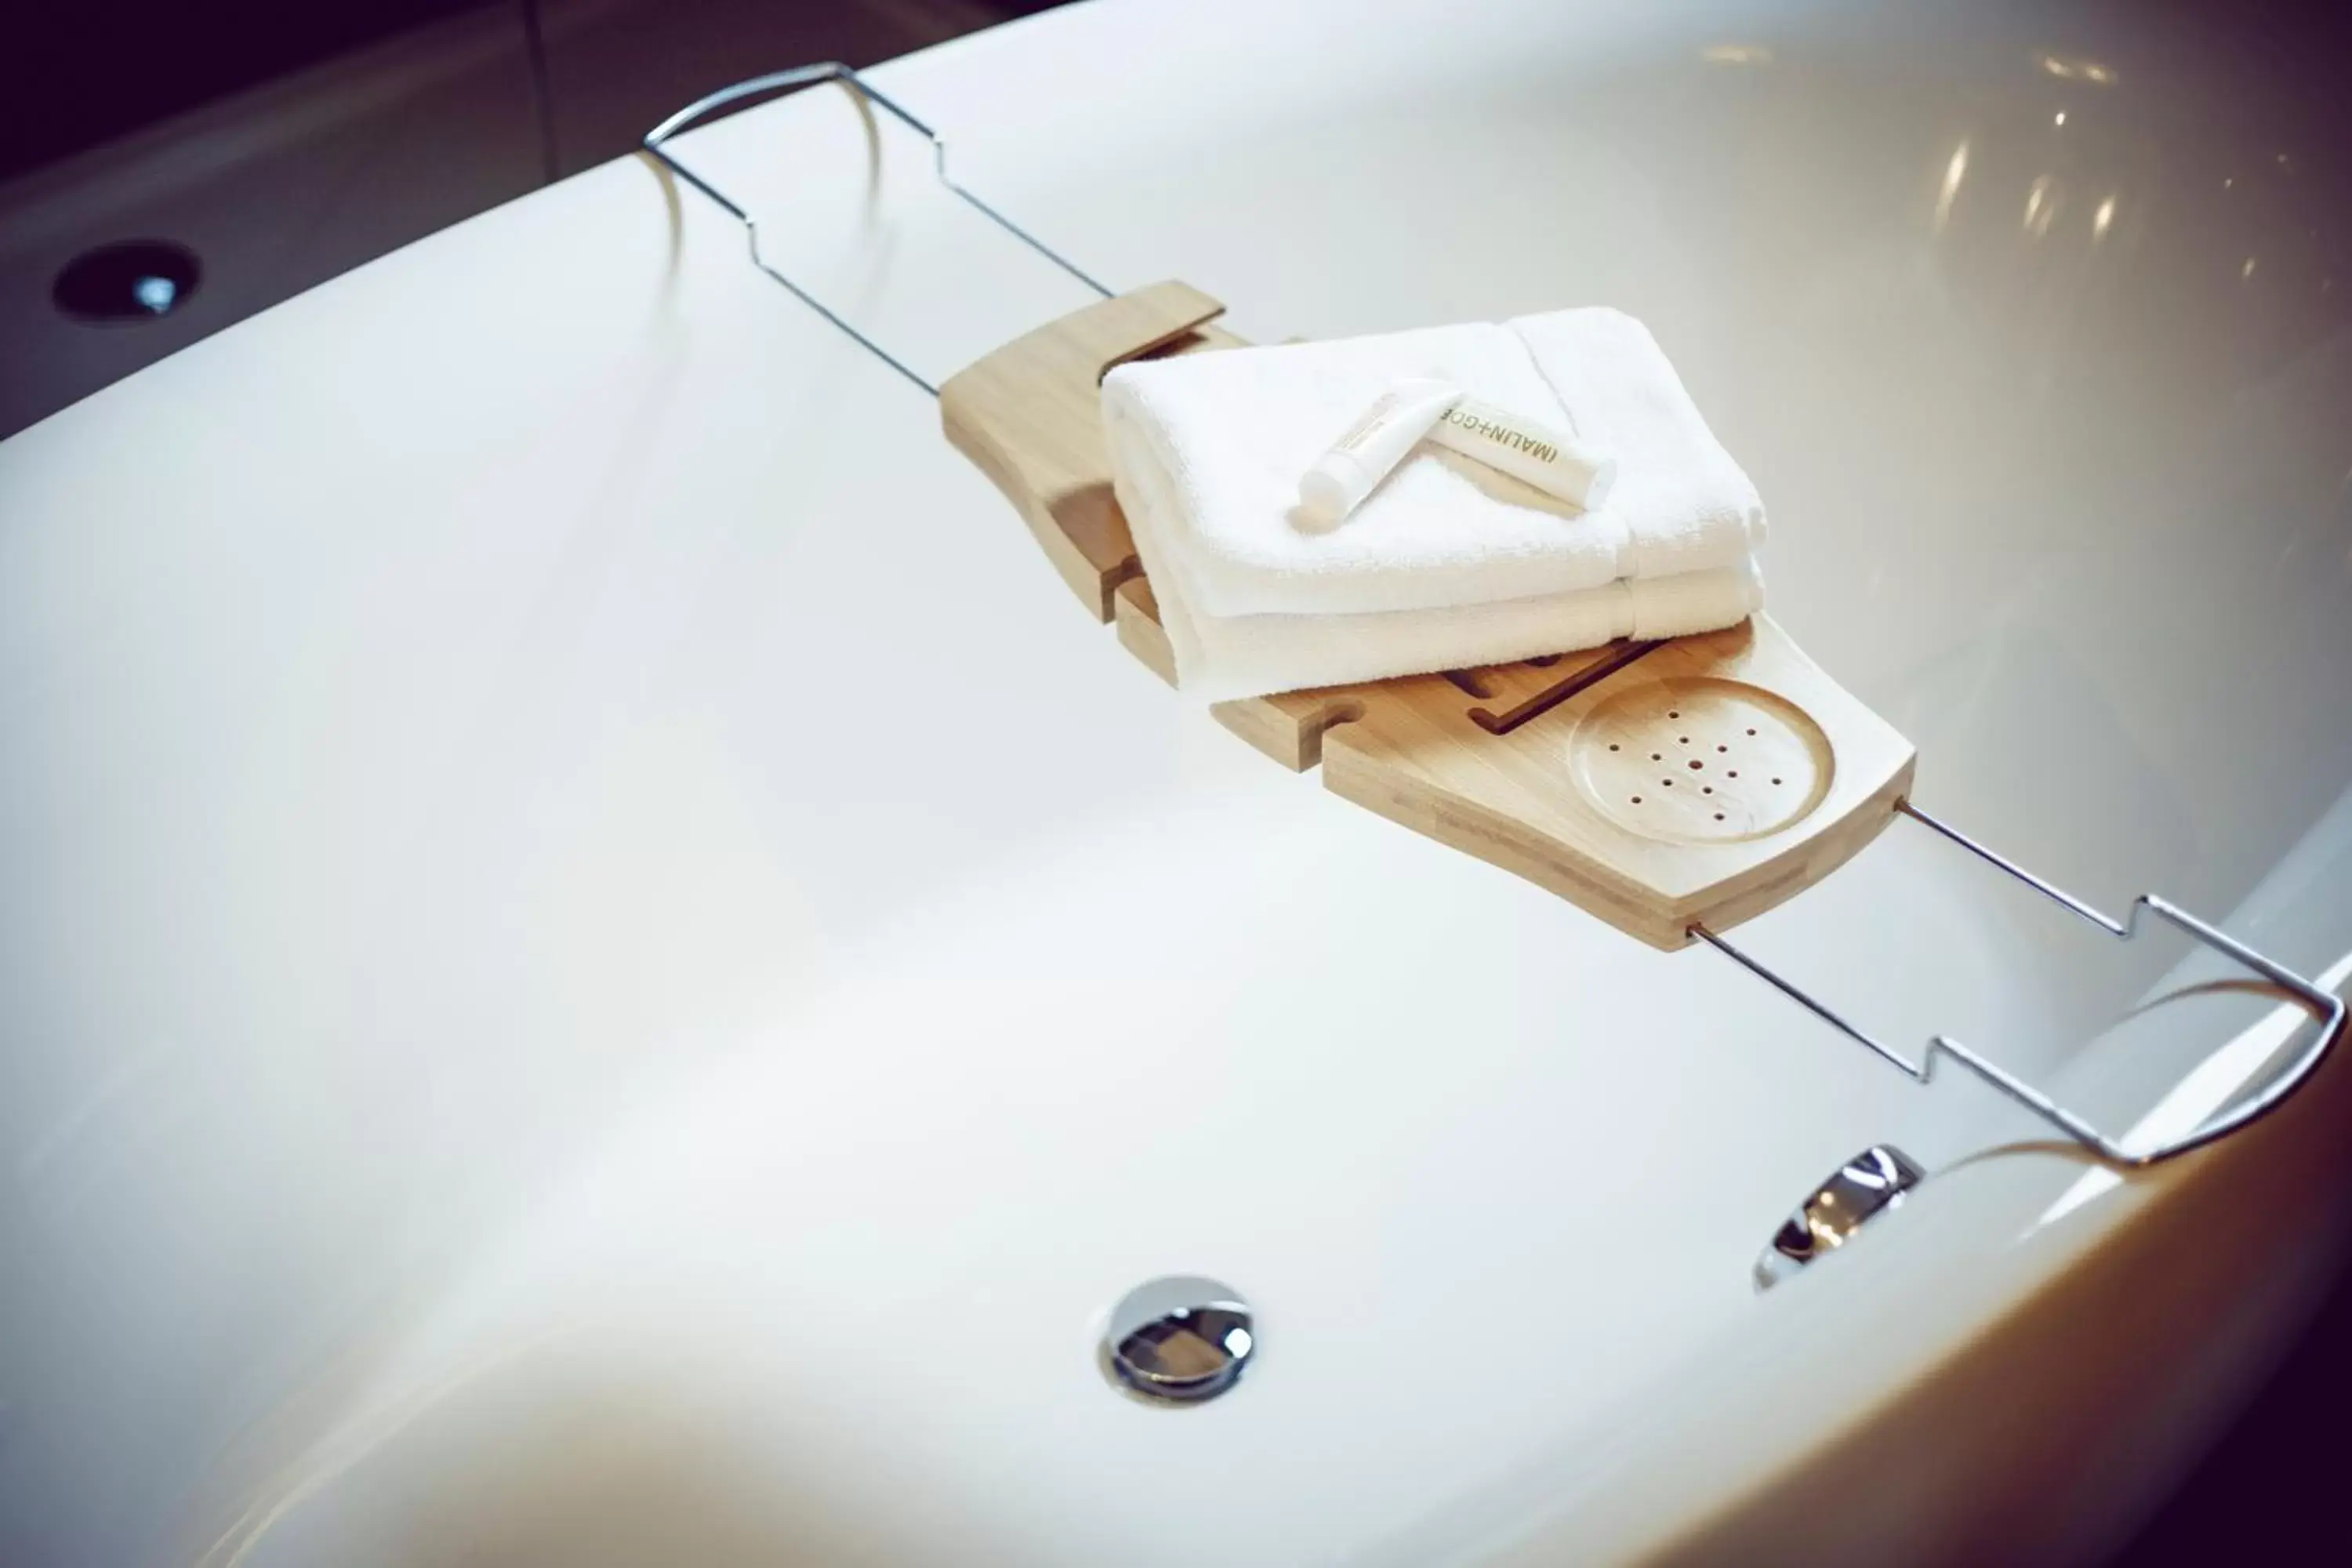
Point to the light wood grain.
(1135, 614)
(1667, 831)
(1029, 415)
(1659, 786)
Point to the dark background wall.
(286, 141)
(77, 75)
(283, 142)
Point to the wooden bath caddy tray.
(1659, 786)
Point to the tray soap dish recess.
(1673, 789)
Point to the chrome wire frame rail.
(810, 76)
(2328, 1009)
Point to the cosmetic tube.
(1549, 460)
(1342, 477)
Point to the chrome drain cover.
(1182, 1338)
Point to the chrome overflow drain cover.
(1181, 1339)
(1857, 1192)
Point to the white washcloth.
(1229, 434)
(1222, 657)
(1219, 657)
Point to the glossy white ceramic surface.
(599, 964)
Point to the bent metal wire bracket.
(791, 80)
(2328, 1010)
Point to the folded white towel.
(1229, 434)
(1219, 657)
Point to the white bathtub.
(599, 967)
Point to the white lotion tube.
(1342, 477)
(1546, 459)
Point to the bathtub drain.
(1178, 1339)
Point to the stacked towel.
(1448, 564)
